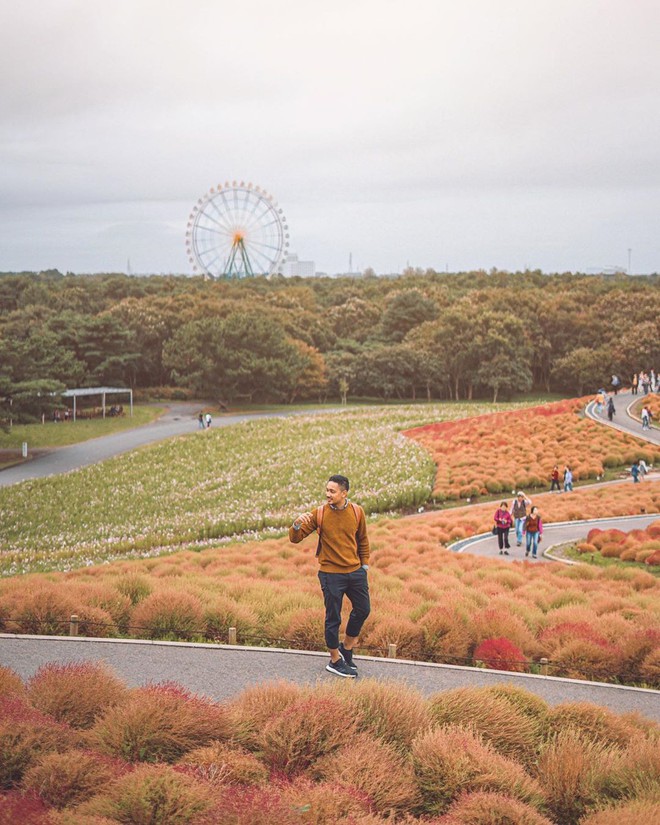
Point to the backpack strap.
(319, 522)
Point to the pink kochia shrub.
(500, 654)
(368, 753)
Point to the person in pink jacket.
(503, 523)
(534, 531)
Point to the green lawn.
(50, 434)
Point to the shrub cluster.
(483, 455)
(636, 545)
(361, 754)
(435, 605)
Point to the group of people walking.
(647, 381)
(524, 518)
(568, 479)
(604, 401)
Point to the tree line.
(422, 334)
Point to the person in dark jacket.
(611, 412)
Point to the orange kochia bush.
(500, 452)
(434, 604)
(276, 754)
(637, 545)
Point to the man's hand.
(302, 521)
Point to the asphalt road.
(485, 544)
(623, 420)
(221, 671)
(177, 420)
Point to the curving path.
(623, 420)
(485, 544)
(221, 671)
(177, 420)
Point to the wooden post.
(391, 651)
(544, 666)
(73, 625)
(232, 635)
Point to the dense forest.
(420, 335)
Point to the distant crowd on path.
(648, 381)
(204, 421)
(524, 518)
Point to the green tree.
(389, 371)
(355, 320)
(404, 311)
(504, 353)
(245, 355)
(583, 369)
(108, 350)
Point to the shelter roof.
(94, 391)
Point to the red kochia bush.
(501, 654)
(637, 812)
(25, 809)
(168, 613)
(452, 760)
(152, 794)
(484, 808)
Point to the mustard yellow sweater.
(344, 541)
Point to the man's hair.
(341, 480)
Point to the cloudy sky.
(453, 134)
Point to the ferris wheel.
(236, 230)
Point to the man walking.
(519, 513)
(343, 554)
(646, 417)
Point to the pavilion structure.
(102, 391)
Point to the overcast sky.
(453, 134)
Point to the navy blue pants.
(356, 588)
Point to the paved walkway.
(623, 420)
(178, 419)
(221, 671)
(485, 544)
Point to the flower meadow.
(490, 454)
(250, 477)
(435, 605)
(275, 754)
